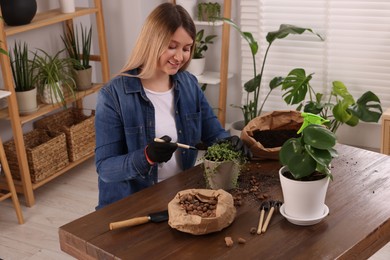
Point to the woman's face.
(177, 54)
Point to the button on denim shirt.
(125, 124)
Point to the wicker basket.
(78, 128)
(46, 154)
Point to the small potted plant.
(305, 173)
(80, 52)
(22, 72)
(222, 166)
(198, 61)
(53, 76)
(209, 11)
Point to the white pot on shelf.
(189, 5)
(27, 101)
(236, 128)
(67, 6)
(197, 66)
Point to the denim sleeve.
(113, 162)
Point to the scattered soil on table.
(253, 188)
(274, 138)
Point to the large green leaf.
(341, 90)
(285, 30)
(341, 112)
(302, 165)
(367, 108)
(288, 149)
(322, 157)
(252, 84)
(296, 86)
(319, 137)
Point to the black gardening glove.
(161, 152)
(238, 145)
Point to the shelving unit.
(385, 148)
(223, 75)
(41, 20)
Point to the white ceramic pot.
(67, 6)
(197, 66)
(304, 200)
(221, 175)
(27, 101)
(189, 5)
(48, 96)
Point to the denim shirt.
(125, 124)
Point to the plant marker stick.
(185, 146)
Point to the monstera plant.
(339, 107)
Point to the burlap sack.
(276, 120)
(225, 213)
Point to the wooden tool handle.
(260, 222)
(268, 219)
(129, 223)
(185, 146)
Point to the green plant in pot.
(53, 76)
(253, 106)
(79, 50)
(339, 107)
(198, 61)
(222, 165)
(209, 11)
(22, 72)
(306, 172)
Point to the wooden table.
(357, 226)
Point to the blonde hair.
(155, 37)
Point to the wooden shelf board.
(46, 108)
(48, 18)
(211, 77)
(18, 183)
(216, 23)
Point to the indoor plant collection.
(22, 72)
(198, 61)
(79, 50)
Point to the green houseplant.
(209, 11)
(198, 61)
(253, 106)
(53, 76)
(222, 166)
(79, 50)
(22, 72)
(339, 107)
(305, 174)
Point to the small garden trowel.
(153, 217)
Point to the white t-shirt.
(163, 103)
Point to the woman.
(152, 97)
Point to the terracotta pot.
(18, 12)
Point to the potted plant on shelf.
(53, 76)
(80, 53)
(222, 166)
(22, 72)
(340, 107)
(305, 173)
(198, 61)
(209, 11)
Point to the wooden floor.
(64, 199)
